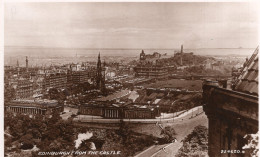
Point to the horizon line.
(124, 48)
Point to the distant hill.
(187, 59)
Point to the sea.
(40, 56)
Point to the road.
(183, 126)
(68, 111)
(151, 150)
(183, 123)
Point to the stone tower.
(142, 55)
(17, 63)
(181, 53)
(100, 77)
(18, 68)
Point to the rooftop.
(34, 103)
(114, 96)
(247, 81)
(121, 105)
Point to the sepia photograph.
(130, 79)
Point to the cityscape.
(64, 99)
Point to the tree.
(8, 141)
(56, 145)
(16, 128)
(124, 130)
(66, 92)
(195, 144)
(9, 93)
(27, 141)
(53, 93)
(61, 97)
(253, 144)
(85, 86)
(168, 134)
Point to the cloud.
(131, 25)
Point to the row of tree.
(55, 134)
(48, 134)
(195, 144)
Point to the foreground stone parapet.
(231, 116)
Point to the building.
(58, 80)
(38, 87)
(232, 113)
(23, 89)
(150, 67)
(63, 80)
(119, 111)
(151, 71)
(150, 57)
(247, 81)
(91, 109)
(79, 77)
(140, 113)
(31, 107)
(69, 78)
(75, 67)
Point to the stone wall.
(231, 116)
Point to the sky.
(131, 25)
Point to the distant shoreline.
(35, 47)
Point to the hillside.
(195, 144)
(187, 59)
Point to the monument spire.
(181, 53)
(17, 63)
(100, 77)
(26, 60)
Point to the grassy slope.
(176, 83)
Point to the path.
(183, 127)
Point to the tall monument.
(17, 63)
(26, 64)
(100, 78)
(18, 68)
(181, 53)
(142, 56)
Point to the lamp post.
(159, 112)
(172, 116)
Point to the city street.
(183, 126)
(68, 111)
